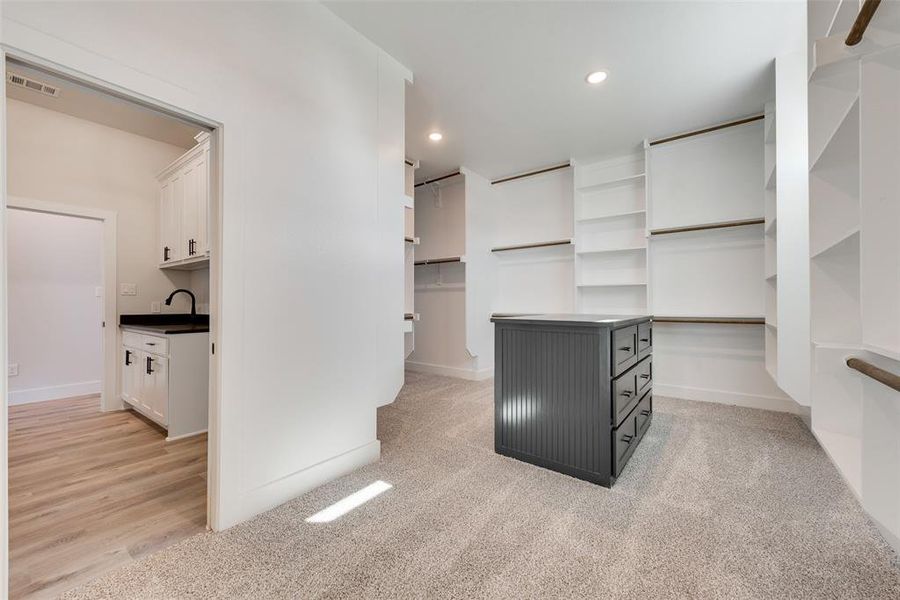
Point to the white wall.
(54, 268)
(296, 90)
(58, 158)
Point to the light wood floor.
(92, 491)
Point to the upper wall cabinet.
(184, 209)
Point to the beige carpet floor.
(717, 502)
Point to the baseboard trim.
(185, 435)
(726, 397)
(55, 392)
(286, 488)
(458, 372)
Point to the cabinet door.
(171, 198)
(155, 389)
(203, 203)
(131, 375)
(194, 213)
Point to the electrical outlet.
(12, 369)
(128, 289)
(154, 307)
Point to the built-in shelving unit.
(771, 241)
(610, 211)
(410, 242)
(854, 250)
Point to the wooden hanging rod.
(876, 373)
(437, 261)
(408, 316)
(436, 179)
(534, 245)
(706, 226)
(681, 136)
(409, 163)
(862, 22)
(714, 320)
(531, 173)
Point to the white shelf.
(610, 216)
(638, 177)
(837, 146)
(893, 354)
(605, 250)
(613, 284)
(770, 179)
(835, 244)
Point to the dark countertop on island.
(165, 323)
(574, 319)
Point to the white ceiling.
(86, 103)
(504, 81)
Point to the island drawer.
(644, 376)
(624, 349)
(625, 396)
(645, 339)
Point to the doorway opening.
(112, 213)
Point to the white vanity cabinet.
(184, 209)
(166, 378)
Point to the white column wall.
(296, 90)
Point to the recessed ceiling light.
(596, 77)
(435, 136)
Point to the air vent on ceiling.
(32, 84)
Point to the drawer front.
(155, 345)
(644, 376)
(624, 442)
(148, 343)
(624, 349)
(645, 339)
(132, 339)
(643, 415)
(625, 396)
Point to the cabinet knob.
(645, 339)
(127, 357)
(645, 413)
(626, 393)
(645, 376)
(625, 349)
(627, 438)
(149, 366)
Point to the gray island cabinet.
(573, 393)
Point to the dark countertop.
(570, 319)
(165, 323)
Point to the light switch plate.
(12, 369)
(128, 289)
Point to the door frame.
(110, 399)
(214, 512)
